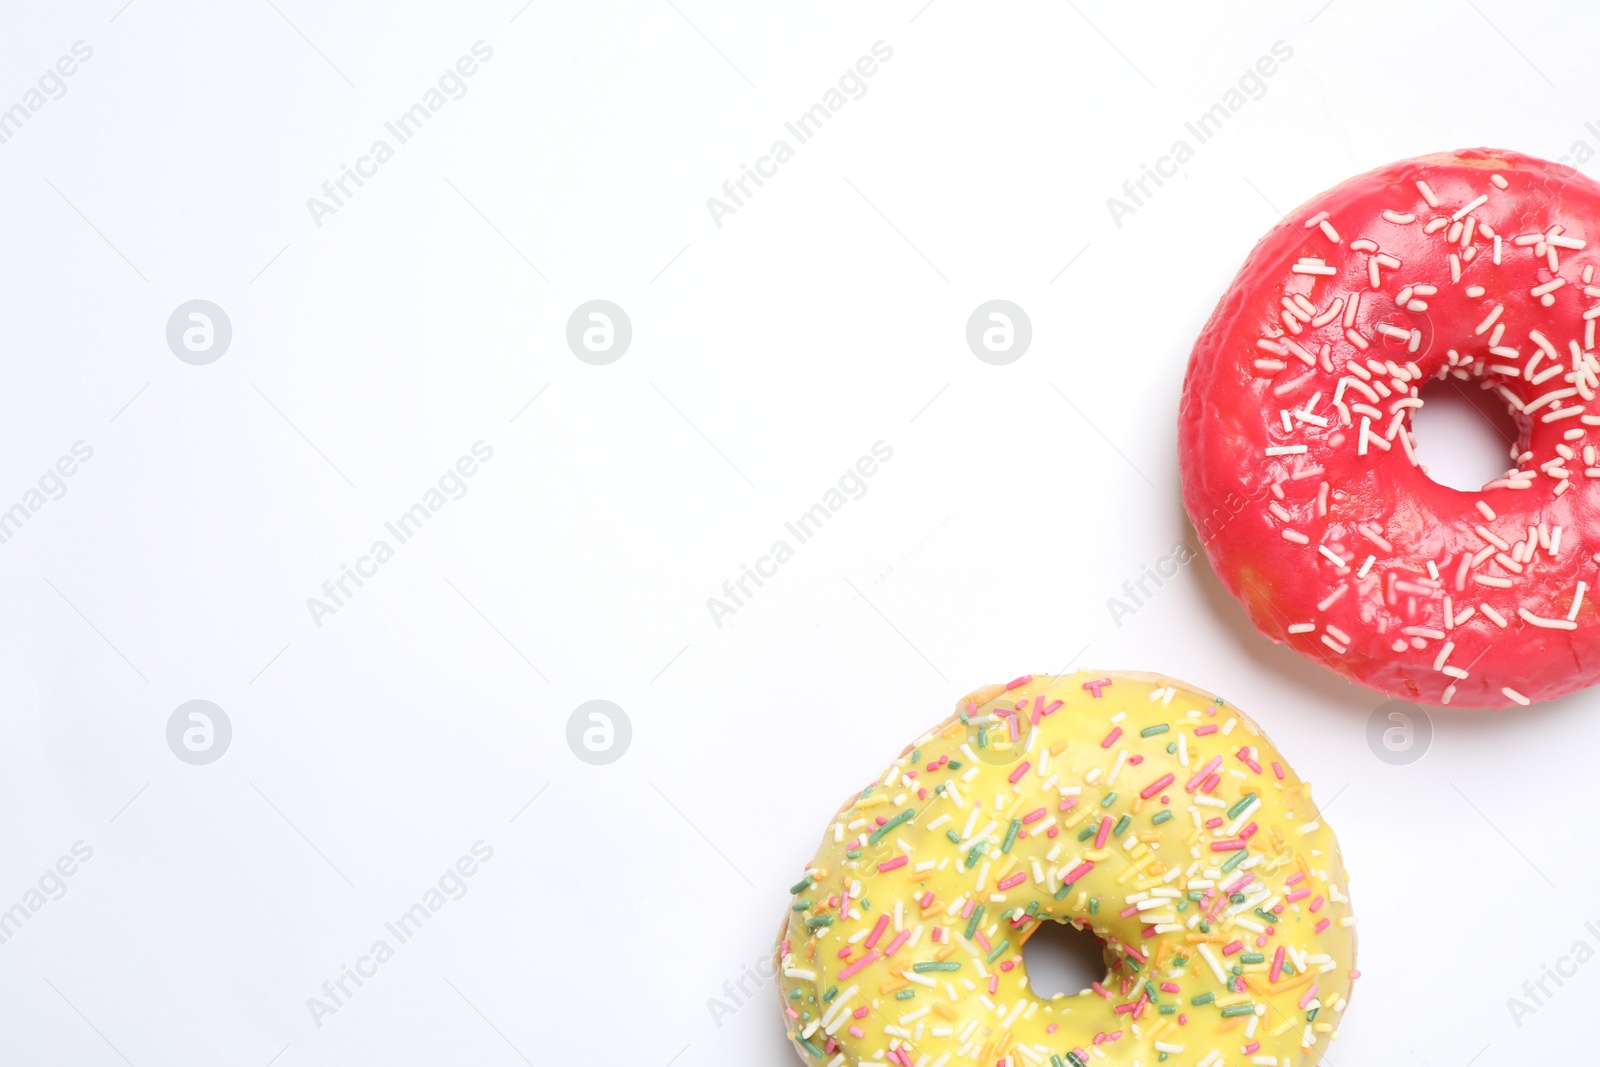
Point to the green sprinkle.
(819, 920)
(1132, 963)
(1311, 1016)
(1268, 916)
(1243, 802)
(1076, 1060)
(953, 836)
(1238, 1009)
(1108, 800)
(1172, 746)
(883, 831)
(1237, 898)
(832, 992)
(1161, 816)
(972, 924)
(977, 850)
(1203, 998)
(1196, 895)
(1234, 860)
(809, 1047)
(853, 854)
(1122, 825)
(916, 755)
(1168, 1009)
(1011, 835)
(983, 736)
(998, 951)
(800, 905)
(801, 886)
(1205, 927)
(1253, 957)
(1088, 832)
(954, 765)
(1183, 905)
(946, 965)
(794, 994)
(905, 994)
(1094, 905)
(1158, 728)
(1063, 891)
(1057, 1061)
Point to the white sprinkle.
(1296, 536)
(1303, 628)
(1483, 198)
(1499, 181)
(1514, 695)
(1493, 615)
(1286, 450)
(1427, 194)
(1577, 601)
(1547, 624)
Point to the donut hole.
(1063, 959)
(1464, 435)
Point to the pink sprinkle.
(1097, 685)
(1252, 1048)
(1052, 832)
(1210, 783)
(1134, 761)
(877, 932)
(1297, 895)
(1067, 803)
(1169, 987)
(1102, 990)
(927, 899)
(1053, 707)
(1212, 824)
(856, 1032)
(1078, 872)
(1156, 786)
(1104, 832)
(1052, 1028)
(790, 1012)
(1034, 816)
(1322, 924)
(1230, 845)
(1248, 832)
(1208, 728)
(1316, 904)
(1183, 1019)
(1018, 683)
(1354, 975)
(1135, 953)
(894, 946)
(994, 984)
(881, 820)
(1277, 966)
(1310, 995)
(977, 936)
(1244, 880)
(889, 865)
(1013, 880)
(1296, 877)
(860, 1013)
(1216, 761)
(1244, 757)
(1012, 729)
(1129, 912)
(860, 965)
(1022, 768)
(1111, 738)
(1231, 947)
(1277, 769)
(966, 909)
(1007, 965)
(938, 933)
(844, 953)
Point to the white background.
(768, 354)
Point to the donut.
(1153, 816)
(1299, 463)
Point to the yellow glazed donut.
(1156, 816)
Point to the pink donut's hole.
(1464, 435)
(1061, 959)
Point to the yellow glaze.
(886, 906)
